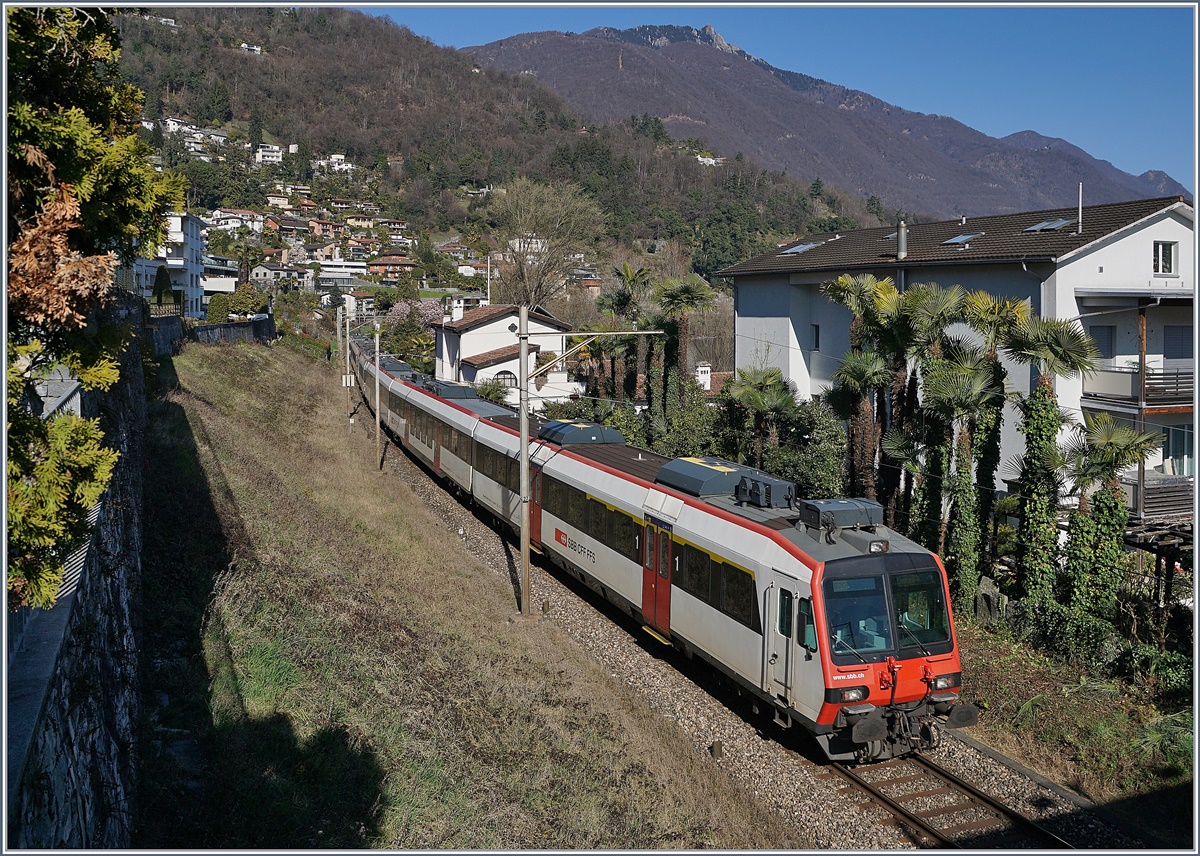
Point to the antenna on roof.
(1079, 228)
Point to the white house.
(1124, 271)
(182, 254)
(269, 154)
(232, 219)
(482, 344)
(359, 304)
(218, 277)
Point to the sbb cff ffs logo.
(574, 546)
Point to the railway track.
(937, 809)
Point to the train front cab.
(883, 632)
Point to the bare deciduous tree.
(545, 227)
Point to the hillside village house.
(358, 304)
(183, 254)
(219, 277)
(482, 344)
(1126, 273)
(389, 267)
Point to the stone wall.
(262, 330)
(73, 693)
(167, 333)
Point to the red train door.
(656, 575)
(535, 504)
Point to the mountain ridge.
(810, 127)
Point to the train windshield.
(878, 615)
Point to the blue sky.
(1119, 82)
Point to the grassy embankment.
(325, 669)
(1098, 737)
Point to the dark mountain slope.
(703, 87)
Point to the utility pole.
(346, 315)
(523, 431)
(378, 454)
(523, 378)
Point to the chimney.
(963, 222)
(902, 241)
(704, 376)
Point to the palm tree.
(857, 293)
(1056, 347)
(635, 281)
(677, 300)
(960, 387)
(1100, 449)
(861, 376)
(994, 319)
(769, 398)
(618, 303)
(638, 282)
(892, 333)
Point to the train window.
(597, 519)
(807, 634)
(575, 507)
(858, 617)
(694, 575)
(785, 613)
(738, 599)
(664, 554)
(623, 538)
(921, 614)
(648, 552)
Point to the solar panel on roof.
(799, 248)
(1050, 225)
(962, 239)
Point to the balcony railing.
(1162, 496)
(1163, 386)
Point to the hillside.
(704, 87)
(431, 126)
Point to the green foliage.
(81, 195)
(162, 284)
(57, 470)
(247, 300)
(492, 389)
(1037, 540)
(811, 451)
(315, 348)
(218, 309)
(689, 422)
(963, 535)
(1168, 675)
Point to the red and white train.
(836, 622)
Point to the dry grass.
(357, 680)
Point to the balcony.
(1162, 496)
(1163, 386)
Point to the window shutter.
(1177, 346)
(1104, 335)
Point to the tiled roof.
(500, 355)
(997, 238)
(486, 314)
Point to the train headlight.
(946, 682)
(851, 694)
(878, 546)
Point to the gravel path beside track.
(753, 752)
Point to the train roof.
(826, 529)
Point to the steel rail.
(1003, 820)
(903, 815)
(1021, 822)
